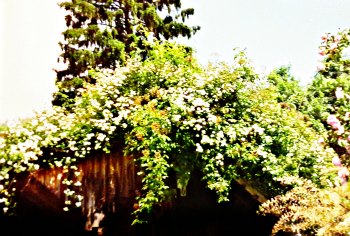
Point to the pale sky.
(273, 32)
(30, 31)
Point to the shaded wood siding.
(109, 181)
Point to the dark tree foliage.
(101, 33)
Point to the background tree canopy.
(101, 33)
(307, 209)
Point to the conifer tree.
(101, 33)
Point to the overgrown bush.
(173, 116)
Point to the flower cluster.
(339, 132)
(334, 51)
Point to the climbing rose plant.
(172, 115)
(330, 95)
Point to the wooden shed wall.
(108, 181)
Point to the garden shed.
(110, 182)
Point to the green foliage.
(101, 34)
(172, 115)
(308, 209)
(290, 91)
(3, 128)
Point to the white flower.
(112, 129)
(107, 114)
(30, 156)
(97, 146)
(206, 139)
(109, 104)
(261, 152)
(68, 202)
(199, 148)
(176, 118)
(339, 93)
(58, 163)
(220, 135)
(231, 133)
(201, 92)
(223, 143)
(212, 118)
(258, 129)
(86, 143)
(101, 137)
(268, 139)
(219, 156)
(88, 137)
(199, 102)
(95, 103)
(197, 127)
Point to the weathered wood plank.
(108, 181)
